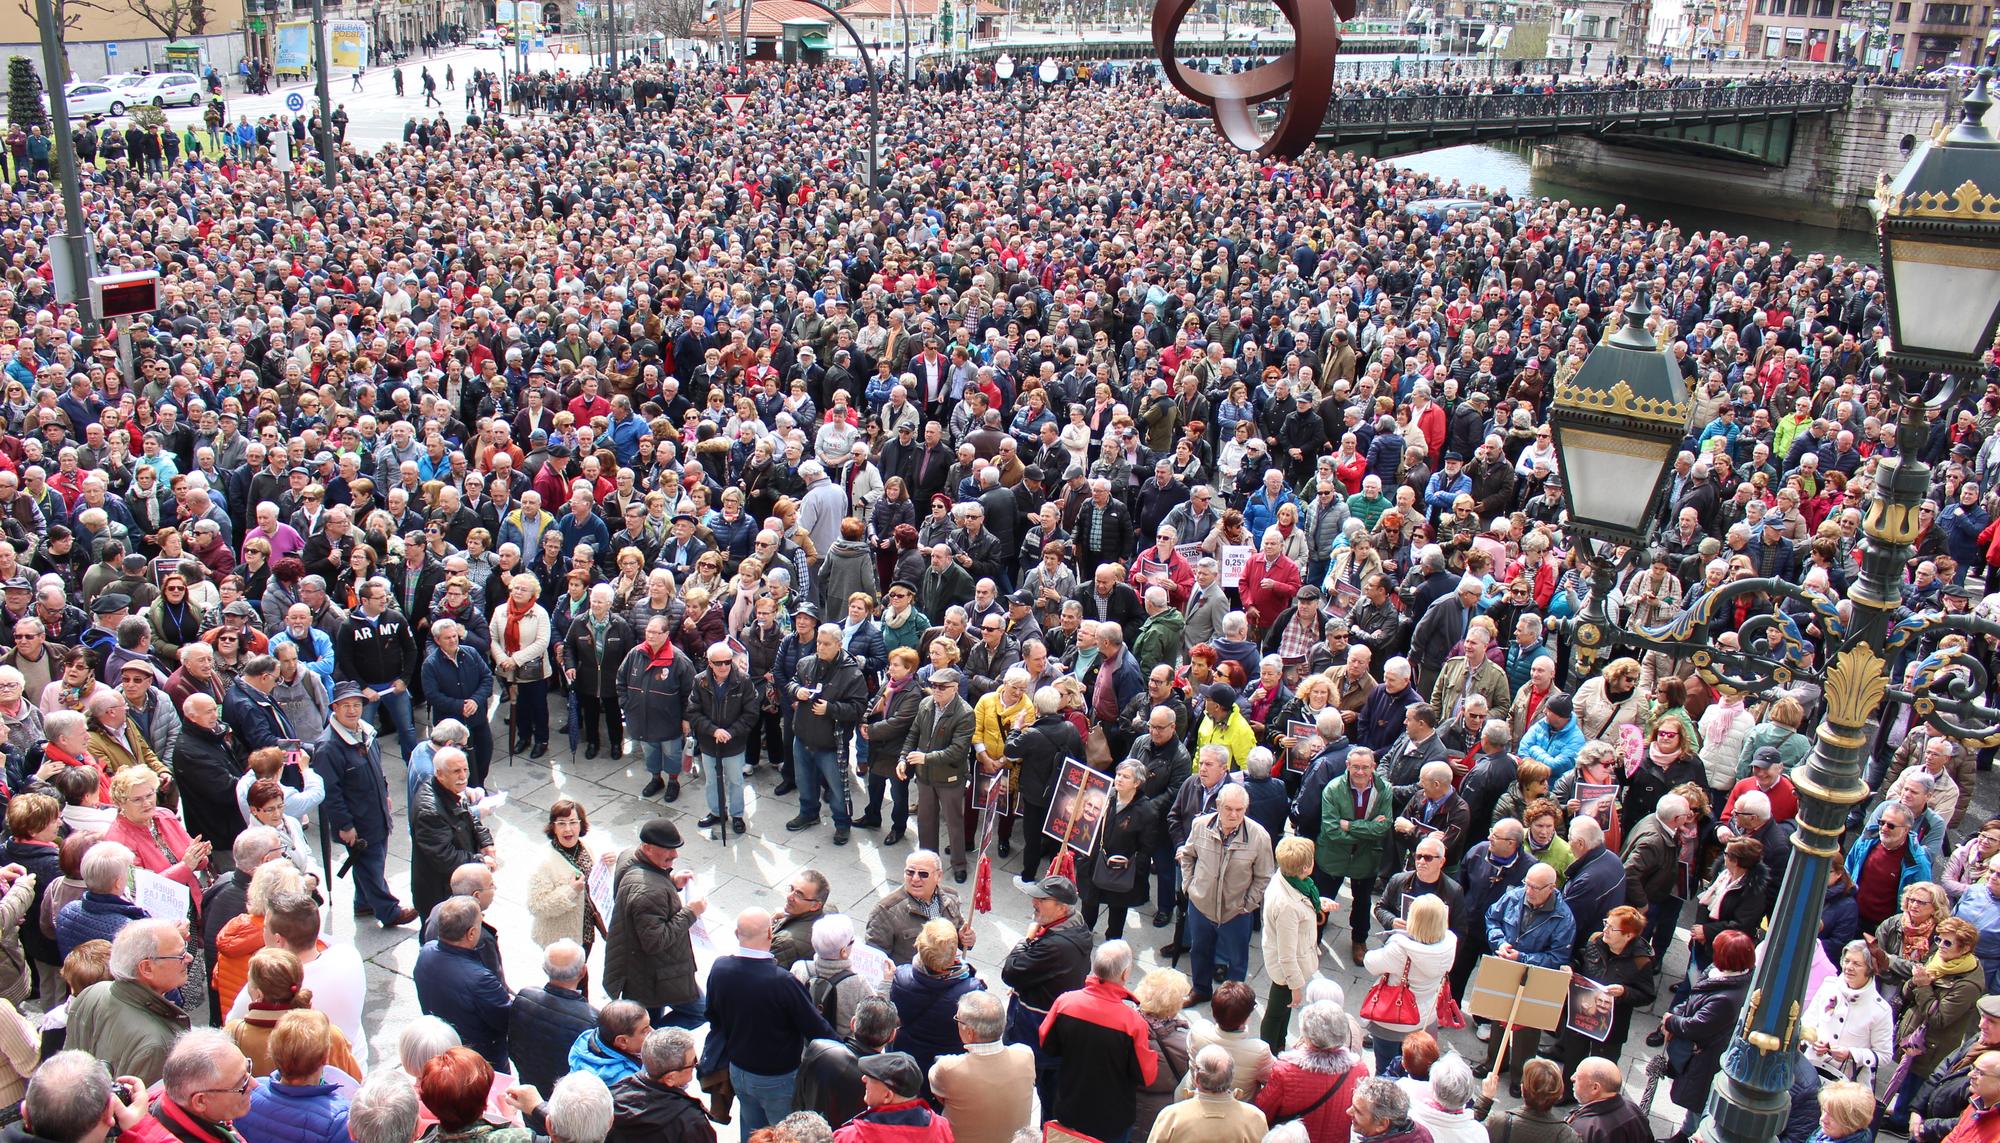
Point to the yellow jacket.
(1234, 734)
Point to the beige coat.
(1225, 880)
(1209, 1119)
(987, 1096)
(1291, 936)
(554, 901)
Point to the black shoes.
(1162, 919)
(1656, 1038)
(893, 837)
(590, 751)
(673, 789)
(737, 825)
(868, 821)
(958, 875)
(541, 750)
(1006, 850)
(654, 787)
(802, 822)
(840, 837)
(708, 822)
(784, 787)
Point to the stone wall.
(1829, 182)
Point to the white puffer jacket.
(1427, 967)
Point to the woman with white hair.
(1314, 1080)
(1848, 1028)
(1448, 1113)
(835, 988)
(425, 1039)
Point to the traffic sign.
(111, 51)
(735, 103)
(295, 102)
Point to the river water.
(1508, 167)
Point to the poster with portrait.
(1590, 1008)
(1341, 598)
(994, 792)
(1599, 801)
(1306, 745)
(1076, 813)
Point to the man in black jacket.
(653, 1106)
(445, 832)
(376, 648)
(830, 1070)
(831, 695)
(722, 711)
(543, 1022)
(1039, 750)
(206, 767)
(1052, 959)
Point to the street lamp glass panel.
(1946, 295)
(1609, 478)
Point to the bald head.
(753, 928)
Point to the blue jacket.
(448, 685)
(1443, 490)
(590, 530)
(625, 436)
(762, 1014)
(590, 1054)
(454, 986)
(93, 917)
(1556, 749)
(1916, 862)
(928, 1008)
(317, 656)
(255, 716)
(357, 795)
(1593, 885)
(1544, 940)
(295, 1113)
(544, 1025)
(1260, 511)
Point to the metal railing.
(1351, 115)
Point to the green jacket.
(1159, 640)
(910, 634)
(1792, 746)
(1357, 850)
(128, 1026)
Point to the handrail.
(1444, 112)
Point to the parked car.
(166, 88)
(90, 99)
(488, 39)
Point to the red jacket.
(1292, 1089)
(911, 1121)
(1266, 603)
(1107, 1056)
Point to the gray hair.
(255, 844)
(1131, 766)
(197, 1061)
(106, 867)
(982, 1013)
(1112, 962)
(1214, 1072)
(425, 1039)
(437, 628)
(67, 1095)
(1259, 763)
(384, 1110)
(1586, 832)
(563, 961)
(832, 934)
(1383, 1099)
(1048, 700)
(806, 1127)
(457, 919)
(875, 1021)
(60, 724)
(1452, 1084)
(1325, 1026)
(1293, 1132)
(1156, 597)
(1235, 625)
(666, 1050)
(1670, 807)
(580, 1109)
(449, 732)
(1756, 803)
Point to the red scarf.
(516, 613)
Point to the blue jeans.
(813, 768)
(371, 887)
(397, 703)
(665, 757)
(764, 1099)
(724, 771)
(1210, 943)
(691, 1015)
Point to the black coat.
(888, 729)
(654, 699)
(542, 1023)
(444, 833)
(645, 1111)
(597, 675)
(1706, 1020)
(45, 862)
(1040, 750)
(1633, 969)
(1594, 885)
(206, 768)
(1132, 831)
(735, 706)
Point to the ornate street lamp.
(1940, 226)
(1618, 424)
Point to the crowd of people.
(1076, 465)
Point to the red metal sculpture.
(1304, 75)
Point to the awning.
(814, 40)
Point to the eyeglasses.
(240, 1087)
(917, 874)
(184, 956)
(1429, 857)
(1673, 734)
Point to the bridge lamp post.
(1940, 236)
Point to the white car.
(88, 100)
(488, 40)
(167, 87)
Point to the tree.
(172, 18)
(24, 94)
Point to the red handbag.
(1392, 1003)
(1450, 1015)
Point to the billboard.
(294, 50)
(347, 45)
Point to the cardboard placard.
(1590, 1008)
(1306, 745)
(1076, 813)
(1533, 997)
(1233, 559)
(162, 898)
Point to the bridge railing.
(1375, 112)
